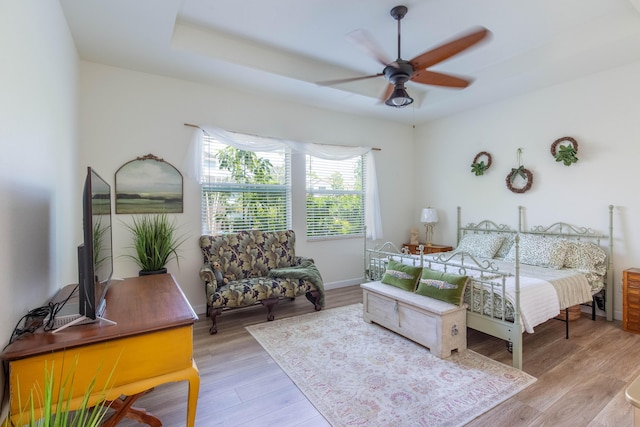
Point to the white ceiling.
(282, 47)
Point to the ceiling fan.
(400, 71)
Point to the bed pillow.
(401, 275)
(538, 250)
(480, 245)
(445, 287)
(585, 256)
(506, 245)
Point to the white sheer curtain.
(193, 163)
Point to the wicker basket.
(574, 313)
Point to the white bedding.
(538, 298)
(571, 286)
(538, 301)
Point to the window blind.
(244, 190)
(335, 197)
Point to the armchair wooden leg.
(314, 297)
(213, 313)
(270, 303)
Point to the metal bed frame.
(490, 277)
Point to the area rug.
(361, 374)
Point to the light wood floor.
(581, 381)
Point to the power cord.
(35, 318)
(55, 308)
(31, 322)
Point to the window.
(246, 184)
(335, 197)
(244, 190)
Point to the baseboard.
(343, 283)
(617, 315)
(201, 310)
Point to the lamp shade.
(399, 97)
(429, 215)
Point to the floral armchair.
(256, 267)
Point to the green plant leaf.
(59, 413)
(155, 241)
(566, 154)
(478, 168)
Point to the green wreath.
(478, 167)
(565, 153)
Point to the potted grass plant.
(58, 412)
(155, 242)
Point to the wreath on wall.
(525, 174)
(478, 167)
(521, 172)
(565, 153)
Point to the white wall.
(38, 166)
(125, 114)
(601, 111)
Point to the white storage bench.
(435, 324)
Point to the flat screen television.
(95, 256)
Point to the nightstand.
(631, 300)
(428, 249)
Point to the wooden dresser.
(631, 300)
(428, 249)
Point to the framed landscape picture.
(148, 184)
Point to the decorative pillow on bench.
(445, 287)
(401, 275)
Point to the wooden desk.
(151, 344)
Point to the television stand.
(83, 320)
(68, 313)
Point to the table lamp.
(429, 218)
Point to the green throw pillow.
(443, 286)
(401, 275)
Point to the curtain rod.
(196, 126)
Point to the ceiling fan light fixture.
(399, 97)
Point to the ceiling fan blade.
(447, 50)
(386, 94)
(438, 79)
(367, 43)
(347, 80)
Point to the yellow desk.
(151, 344)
